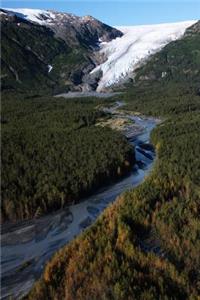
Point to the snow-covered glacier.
(125, 54)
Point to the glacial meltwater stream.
(28, 245)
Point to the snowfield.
(44, 17)
(128, 52)
(39, 16)
(50, 68)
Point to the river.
(28, 245)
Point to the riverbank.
(71, 95)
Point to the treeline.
(53, 154)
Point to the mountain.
(146, 244)
(50, 50)
(54, 52)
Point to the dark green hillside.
(26, 51)
(53, 155)
(146, 246)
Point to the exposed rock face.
(86, 31)
(194, 29)
(91, 80)
(66, 42)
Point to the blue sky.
(118, 12)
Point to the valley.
(100, 199)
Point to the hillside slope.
(146, 245)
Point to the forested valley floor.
(53, 155)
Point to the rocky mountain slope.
(72, 29)
(55, 51)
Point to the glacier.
(127, 53)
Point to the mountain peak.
(88, 17)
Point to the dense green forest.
(147, 244)
(53, 154)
